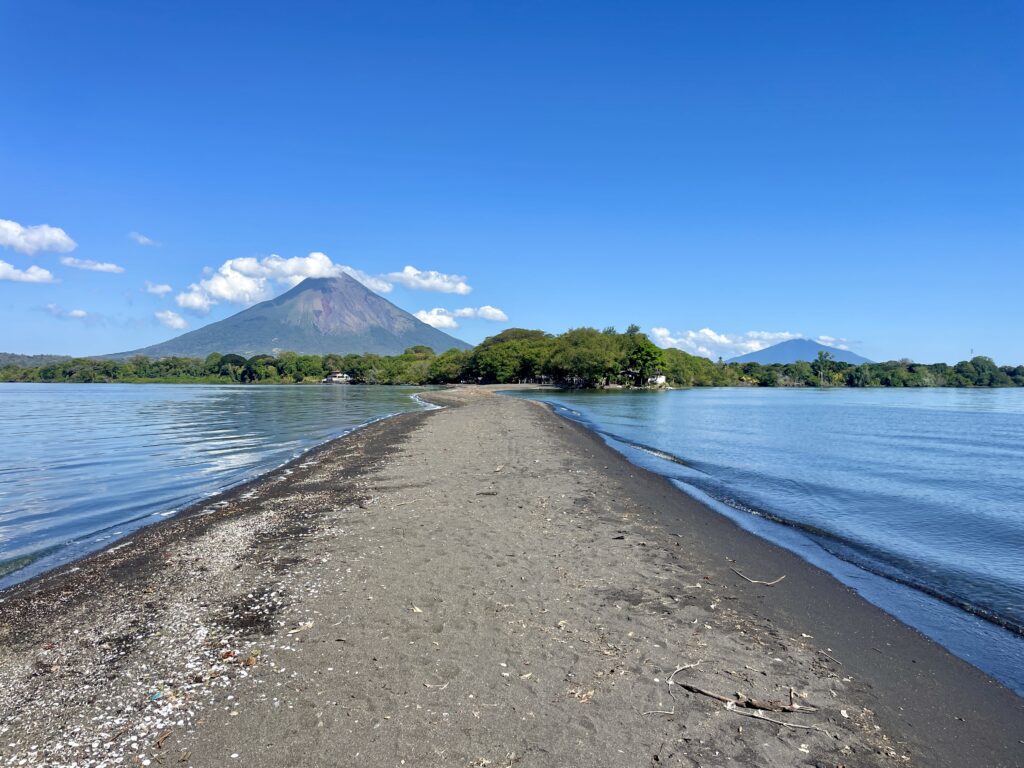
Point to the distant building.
(657, 380)
(336, 377)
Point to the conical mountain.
(318, 316)
(795, 350)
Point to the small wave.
(427, 406)
(845, 548)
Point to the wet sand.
(486, 584)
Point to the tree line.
(581, 357)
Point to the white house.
(336, 377)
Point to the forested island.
(582, 357)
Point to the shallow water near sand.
(913, 497)
(82, 465)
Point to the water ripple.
(83, 464)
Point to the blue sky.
(721, 174)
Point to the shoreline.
(273, 557)
(59, 557)
(919, 607)
(854, 625)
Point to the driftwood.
(759, 716)
(833, 658)
(745, 702)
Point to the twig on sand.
(757, 581)
(159, 743)
(758, 716)
(680, 669)
(403, 503)
(827, 656)
(748, 703)
(670, 681)
(439, 687)
(303, 626)
(660, 711)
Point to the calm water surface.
(83, 464)
(913, 497)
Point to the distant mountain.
(797, 349)
(318, 316)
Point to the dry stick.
(670, 682)
(680, 669)
(756, 581)
(403, 503)
(797, 726)
(748, 703)
(660, 712)
(837, 661)
(159, 743)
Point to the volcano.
(319, 316)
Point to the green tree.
(822, 367)
(212, 362)
(643, 359)
(448, 367)
(584, 357)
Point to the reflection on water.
(82, 464)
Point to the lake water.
(913, 497)
(84, 464)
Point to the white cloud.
(487, 312)
(90, 265)
(33, 274)
(832, 341)
(437, 317)
(158, 289)
(445, 318)
(377, 284)
(195, 300)
(75, 314)
(709, 343)
(294, 270)
(430, 280)
(247, 280)
(171, 319)
(39, 237)
(141, 239)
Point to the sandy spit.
(483, 585)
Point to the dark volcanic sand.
(482, 585)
